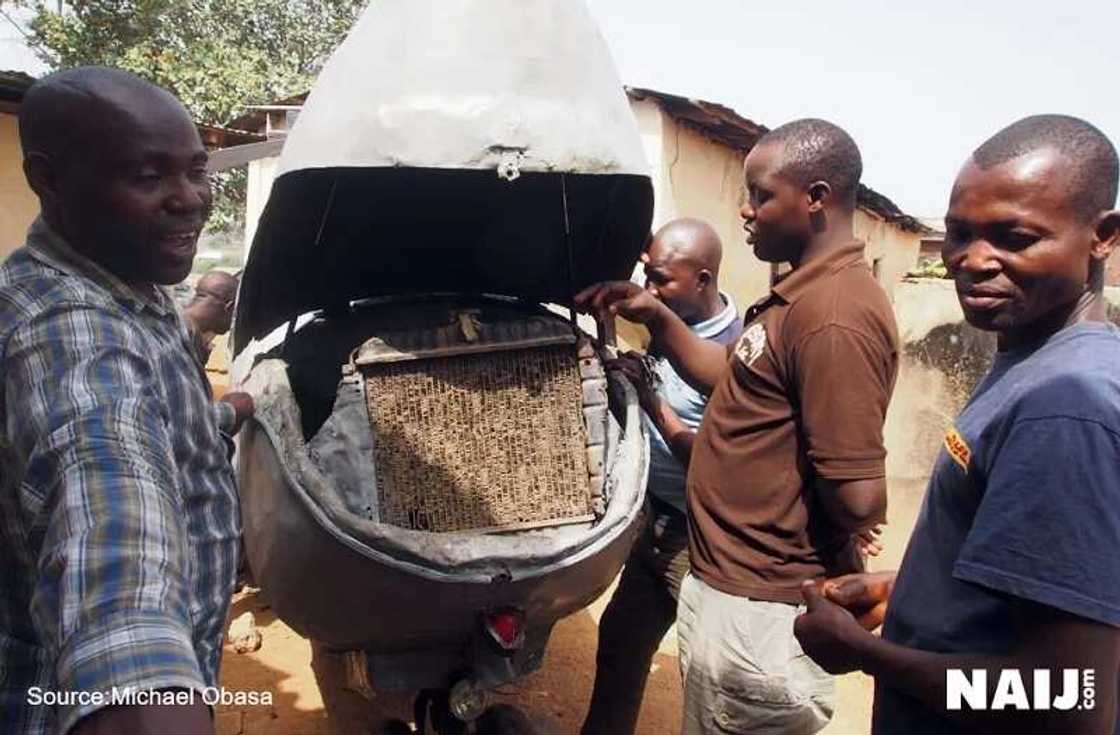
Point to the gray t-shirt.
(1024, 501)
(666, 473)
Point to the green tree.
(217, 56)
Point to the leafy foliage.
(931, 267)
(217, 56)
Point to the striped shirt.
(119, 522)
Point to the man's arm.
(698, 361)
(1049, 639)
(843, 383)
(111, 602)
(232, 411)
(854, 505)
(677, 434)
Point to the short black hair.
(817, 150)
(1092, 157)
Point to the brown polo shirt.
(805, 396)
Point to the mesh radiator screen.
(492, 441)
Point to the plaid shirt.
(119, 521)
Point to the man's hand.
(243, 408)
(864, 595)
(829, 634)
(623, 298)
(870, 542)
(632, 366)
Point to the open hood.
(481, 146)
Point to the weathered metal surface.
(480, 442)
(373, 584)
(469, 84)
(464, 334)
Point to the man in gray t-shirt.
(682, 270)
(1005, 614)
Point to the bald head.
(1090, 157)
(211, 307)
(68, 111)
(217, 283)
(682, 269)
(692, 240)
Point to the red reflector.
(505, 626)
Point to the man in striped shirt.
(119, 522)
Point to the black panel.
(329, 236)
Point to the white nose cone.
(471, 84)
(453, 146)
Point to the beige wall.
(696, 177)
(894, 248)
(18, 205)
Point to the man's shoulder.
(848, 299)
(30, 288)
(1076, 378)
(731, 332)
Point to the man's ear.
(1106, 235)
(819, 193)
(39, 170)
(703, 278)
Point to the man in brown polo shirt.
(789, 465)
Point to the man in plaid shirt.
(119, 521)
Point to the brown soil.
(556, 696)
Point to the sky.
(918, 83)
(14, 53)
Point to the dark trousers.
(643, 608)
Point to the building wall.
(18, 205)
(1112, 271)
(262, 173)
(694, 176)
(891, 251)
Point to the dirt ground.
(556, 695)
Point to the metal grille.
(490, 441)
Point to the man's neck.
(54, 223)
(1090, 307)
(712, 307)
(837, 234)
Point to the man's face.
(137, 200)
(674, 280)
(776, 212)
(1015, 246)
(216, 299)
(211, 314)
